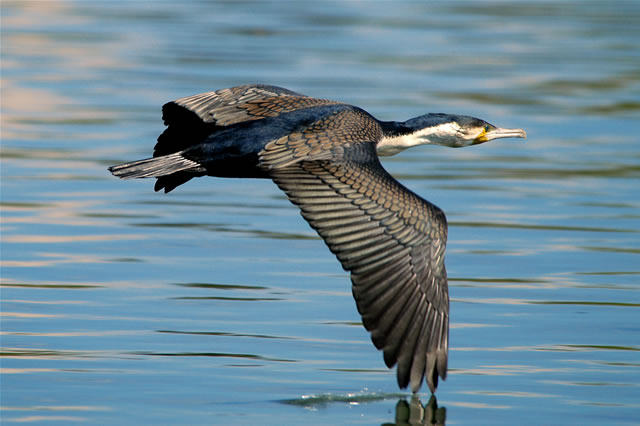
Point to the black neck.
(394, 128)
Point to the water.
(217, 304)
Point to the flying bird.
(325, 156)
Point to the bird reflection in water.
(414, 413)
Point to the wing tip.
(435, 369)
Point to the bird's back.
(191, 118)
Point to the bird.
(324, 155)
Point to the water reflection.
(414, 413)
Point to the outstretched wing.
(242, 103)
(391, 240)
(200, 115)
(192, 119)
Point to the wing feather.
(401, 328)
(242, 103)
(409, 347)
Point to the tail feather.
(155, 167)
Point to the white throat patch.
(442, 134)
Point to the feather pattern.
(155, 167)
(242, 103)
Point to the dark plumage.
(324, 156)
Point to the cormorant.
(324, 155)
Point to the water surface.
(217, 304)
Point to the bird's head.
(458, 131)
(455, 131)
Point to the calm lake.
(218, 304)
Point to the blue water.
(217, 304)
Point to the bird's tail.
(155, 167)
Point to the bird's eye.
(487, 128)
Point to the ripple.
(323, 400)
(222, 286)
(226, 298)
(227, 334)
(584, 303)
(212, 355)
(539, 227)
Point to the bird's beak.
(499, 133)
